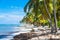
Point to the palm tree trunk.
(50, 21)
(54, 13)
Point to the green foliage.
(37, 14)
(58, 24)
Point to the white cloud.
(10, 19)
(11, 16)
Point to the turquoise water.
(7, 28)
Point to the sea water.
(6, 30)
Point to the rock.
(17, 37)
(23, 36)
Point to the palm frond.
(26, 6)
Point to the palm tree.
(43, 7)
(54, 13)
(36, 7)
(33, 5)
(50, 21)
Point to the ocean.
(6, 30)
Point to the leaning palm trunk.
(50, 20)
(54, 13)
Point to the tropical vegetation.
(43, 12)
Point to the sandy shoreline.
(35, 36)
(38, 33)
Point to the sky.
(11, 11)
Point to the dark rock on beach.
(23, 36)
(33, 36)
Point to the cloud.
(10, 19)
(11, 16)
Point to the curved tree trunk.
(54, 13)
(50, 20)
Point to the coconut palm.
(36, 6)
(46, 8)
(54, 13)
(46, 2)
